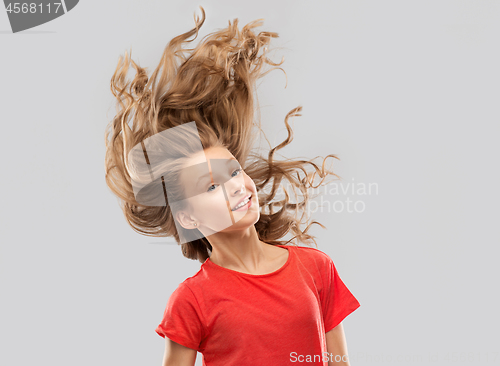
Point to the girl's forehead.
(214, 166)
(209, 154)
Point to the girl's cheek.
(249, 182)
(219, 202)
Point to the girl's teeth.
(242, 204)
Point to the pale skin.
(336, 344)
(237, 246)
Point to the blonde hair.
(213, 85)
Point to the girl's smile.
(219, 192)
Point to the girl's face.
(220, 196)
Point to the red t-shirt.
(278, 318)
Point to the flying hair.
(213, 85)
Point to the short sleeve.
(182, 320)
(337, 301)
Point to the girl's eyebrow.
(207, 174)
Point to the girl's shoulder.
(311, 252)
(312, 258)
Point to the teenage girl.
(256, 299)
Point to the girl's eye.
(239, 170)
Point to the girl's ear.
(185, 220)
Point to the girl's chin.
(242, 223)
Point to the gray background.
(405, 93)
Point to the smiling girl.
(179, 155)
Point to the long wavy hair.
(212, 84)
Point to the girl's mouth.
(244, 204)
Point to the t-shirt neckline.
(287, 247)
